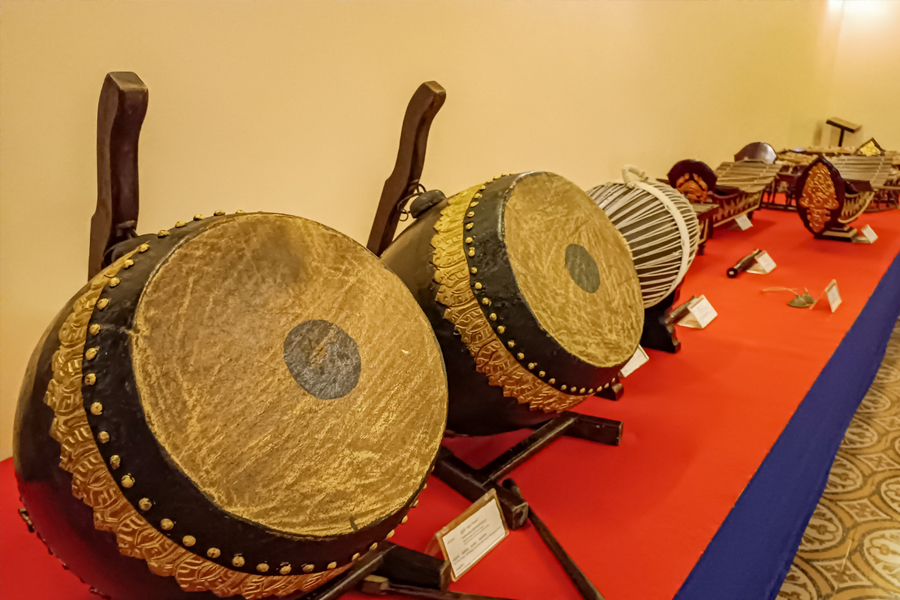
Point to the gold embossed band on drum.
(532, 293)
(248, 402)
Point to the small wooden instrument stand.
(470, 482)
(659, 333)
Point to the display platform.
(639, 518)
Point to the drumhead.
(573, 269)
(289, 375)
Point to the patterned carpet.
(851, 548)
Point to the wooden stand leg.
(658, 334)
(398, 564)
(613, 392)
(473, 483)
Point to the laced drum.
(531, 292)
(660, 227)
(240, 407)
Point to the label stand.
(469, 537)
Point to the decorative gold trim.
(95, 486)
(819, 197)
(491, 358)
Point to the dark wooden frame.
(403, 182)
(120, 114)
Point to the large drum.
(240, 407)
(532, 294)
(659, 225)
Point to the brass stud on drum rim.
(96, 409)
(91, 353)
(167, 524)
(478, 285)
(128, 264)
(374, 546)
(213, 553)
(90, 379)
(95, 329)
(308, 568)
(285, 569)
(102, 303)
(115, 461)
(114, 282)
(219, 213)
(103, 437)
(188, 540)
(143, 248)
(332, 565)
(511, 343)
(198, 217)
(262, 567)
(390, 534)
(501, 329)
(355, 556)
(145, 504)
(520, 356)
(493, 316)
(237, 561)
(162, 233)
(180, 224)
(473, 270)
(127, 481)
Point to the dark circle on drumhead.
(322, 359)
(582, 268)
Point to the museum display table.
(692, 468)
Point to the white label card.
(636, 361)
(743, 222)
(473, 534)
(763, 264)
(868, 234)
(833, 295)
(700, 314)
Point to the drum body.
(532, 295)
(660, 227)
(212, 417)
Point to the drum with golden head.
(532, 293)
(239, 407)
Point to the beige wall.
(865, 87)
(296, 107)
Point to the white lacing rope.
(639, 221)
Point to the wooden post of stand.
(403, 181)
(398, 564)
(584, 586)
(658, 333)
(120, 114)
